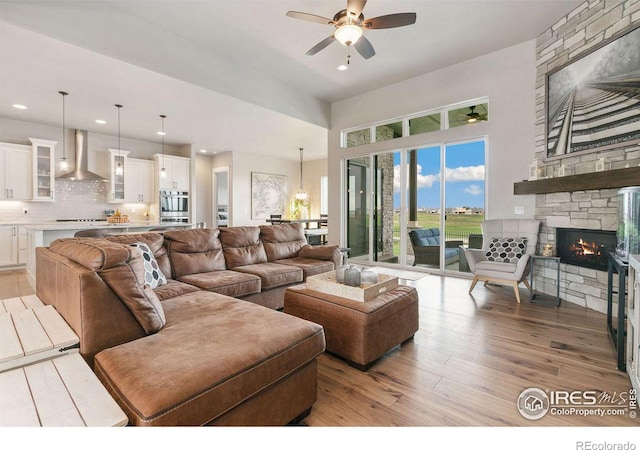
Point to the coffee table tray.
(326, 282)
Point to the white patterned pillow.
(507, 250)
(153, 276)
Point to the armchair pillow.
(507, 250)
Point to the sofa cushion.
(226, 282)
(155, 242)
(174, 288)
(194, 251)
(309, 267)
(506, 250)
(282, 240)
(171, 378)
(425, 237)
(242, 246)
(273, 275)
(127, 280)
(92, 253)
(153, 276)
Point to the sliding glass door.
(417, 207)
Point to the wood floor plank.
(468, 363)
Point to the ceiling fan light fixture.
(472, 119)
(348, 34)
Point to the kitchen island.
(43, 234)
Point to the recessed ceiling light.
(342, 67)
(203, 150)
(100, 121)
(161, 133)
(19, 106)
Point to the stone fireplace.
(585, 248)
(591, 211)
(596, 210)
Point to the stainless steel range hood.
(81, 172)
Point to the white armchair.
(499, 272)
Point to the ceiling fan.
(350, 25)
(472, 116)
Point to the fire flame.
(585, 248)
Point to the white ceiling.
(231, 75)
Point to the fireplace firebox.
(585, 248)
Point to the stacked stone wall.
(587, 26)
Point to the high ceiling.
(219, 69)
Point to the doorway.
(220, 196)
(417, 207)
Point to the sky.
(464, 176)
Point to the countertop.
(47, 226)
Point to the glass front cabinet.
(43, 156)
(117, 158)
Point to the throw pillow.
(127, 282)
(507, 250)
(153, 276)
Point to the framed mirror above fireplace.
(585, 248)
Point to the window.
(468, 115)
(424, 124)
(359, 137)
(462, 113)
(388, 131)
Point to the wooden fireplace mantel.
(609, 179)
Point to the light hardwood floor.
(468, 363)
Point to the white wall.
(507, 77)
(312, 171)
(204, 188)
(243, 165)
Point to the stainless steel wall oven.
(174, 207)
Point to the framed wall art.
(268, 195)
(593, 101)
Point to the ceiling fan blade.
(390, 21)
(321, 45)
(364, 47)
(310, 17)
(355, 7)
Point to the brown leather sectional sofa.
(207, 347)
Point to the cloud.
(473, 189)
(468, 173)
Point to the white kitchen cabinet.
(23, 245)
(43, 169)
(116, 193)
(139, 181)
(177, 169)
(8, 246)
(633, 322)
(15, 172)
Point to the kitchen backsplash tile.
(74, 200)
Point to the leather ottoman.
(360, 332)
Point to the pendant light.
(301, 194)
(163, 172)
(64, 162)
(119, 167)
